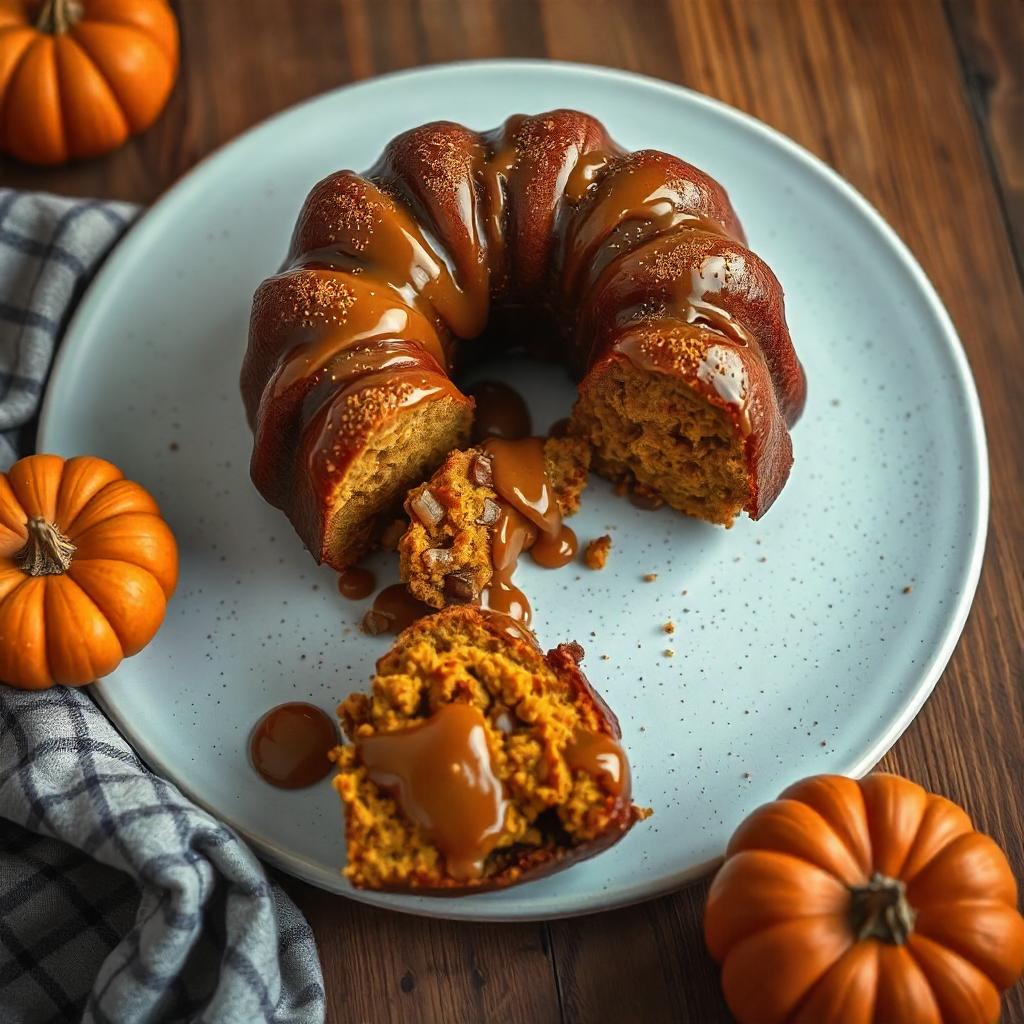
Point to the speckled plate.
(803, 643)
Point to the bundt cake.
(633, 269)
(467, 527)
(477, 762)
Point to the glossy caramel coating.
(390, 273)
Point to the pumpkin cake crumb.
(548, 741)
(669, 627)
(595, 556)
(650, 577)
(446, 549)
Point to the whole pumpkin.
(870, 902)
(77, 77)
(86, 568)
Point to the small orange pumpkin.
(870, 902)
(77, 77)
(86, 568)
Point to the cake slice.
(447, 551)
(477, 762)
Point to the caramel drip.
(441, 774)
(288, 746)
(600, 756)
(626, 208)
(585, 172)
(365, 316)
(530, 520)
(500, 412)
(495, 164)
(695, 307)
(521, 480)
(356, 583)
(512, 534)
(392, 247)
(398, 359)
(552, 552)
(396, 609)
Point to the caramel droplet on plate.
(288, 746)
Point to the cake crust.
(389, 272)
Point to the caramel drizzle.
(356, 583)
(625, 210)
(406, 286)
(600, 756)
(529, 520)
(393, 610)
(441, 774)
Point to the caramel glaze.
(441, 775)
(500, 412)
(389, 271)
(289, 745)
(529, 521)
(356, 583)
(601, 756)
(394, 608)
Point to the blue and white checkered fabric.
(120, 901)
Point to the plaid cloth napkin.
(120, 901)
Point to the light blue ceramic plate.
(796, 648)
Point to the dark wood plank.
(990, 38)
(876, 89)
(382, 967)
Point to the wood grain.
(919, 106)
(990, 38)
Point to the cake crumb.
(374, 623)
(908, 589)
(669, 627)
(605, 657)
(596, 554)
(650, 577)
(669, 653)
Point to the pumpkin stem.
(57, 16)
(879, 910)
(47, 552)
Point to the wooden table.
(920, 104)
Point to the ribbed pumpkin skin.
(780, 913)
(81, 88)
(74, 626)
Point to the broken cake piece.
(477, 762)
(483, 508)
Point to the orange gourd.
(86, 568)
(870, 902)
(77, 77)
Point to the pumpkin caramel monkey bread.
(633, 265)
(477, 762)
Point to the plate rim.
(927, 676)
